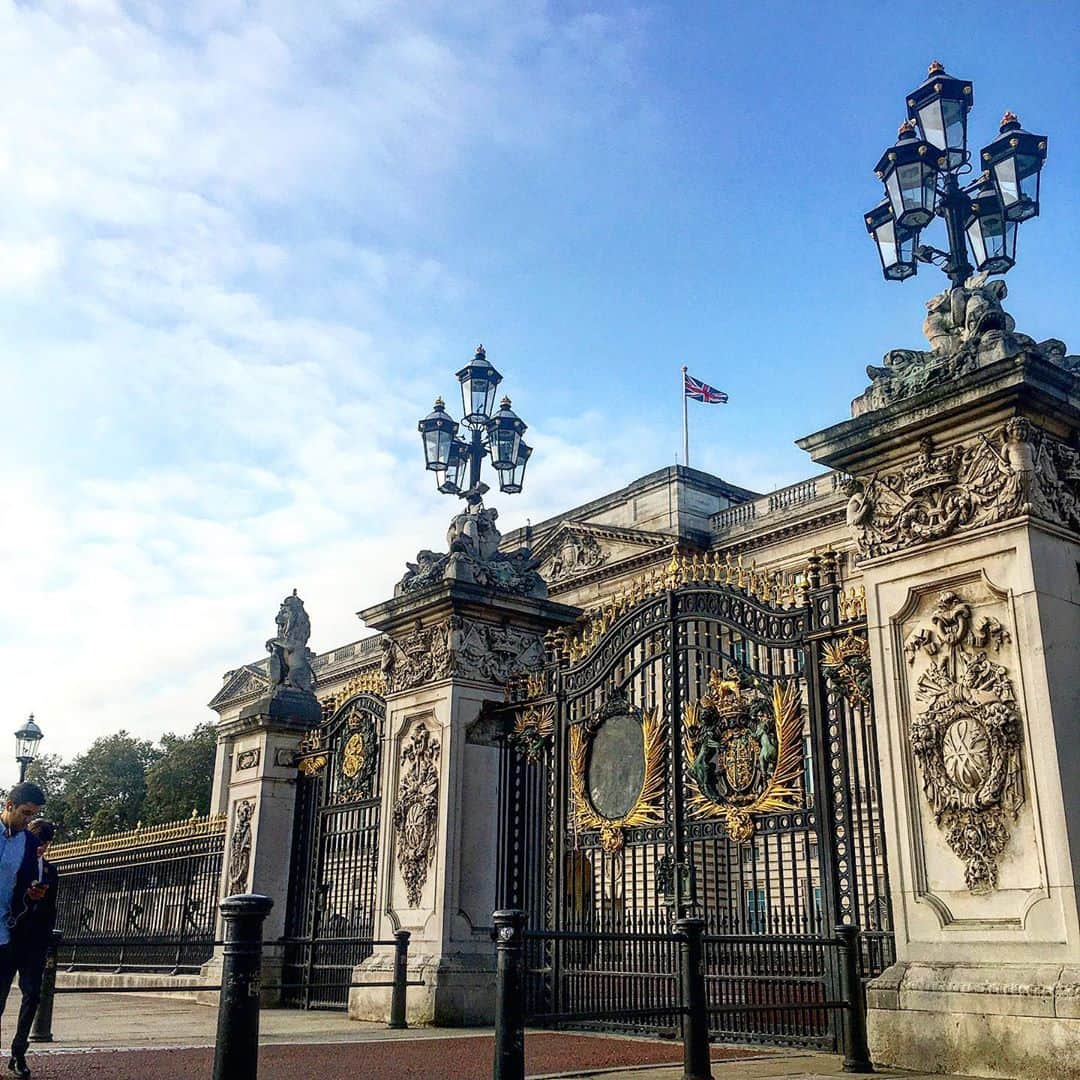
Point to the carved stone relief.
(966, 734)
(474, 558)
(460, 647)
(1016, 469)
(247, 759)
(577, 554)
(416, 811)
(240, 846)
(967, 329)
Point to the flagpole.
(685, 429)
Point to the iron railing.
(142, 900)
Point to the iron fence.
(141, 901)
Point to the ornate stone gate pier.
(460, 627)
(964, 502)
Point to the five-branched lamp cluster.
(456, 461)
(920, 173)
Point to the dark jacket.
(33, 920)
(35, 925)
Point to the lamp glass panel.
(437, 447)
(893, 190)
(953, 112)
(504, 450)
(916, 184)
(885, 237)
(1017, 179)
(932, 124)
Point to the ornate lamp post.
(921, 174)
(26, 745)
(456, 461)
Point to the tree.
(106, 786)
(51, 773)
(181, 778)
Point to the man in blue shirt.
(19, 885)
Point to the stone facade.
(953, 512)
(961, 502)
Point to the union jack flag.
(699, 391)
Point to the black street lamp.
(497, 434)
(921, 176)
(26, 745)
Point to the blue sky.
(245, 245)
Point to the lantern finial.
(936, 66)
(1009, 120)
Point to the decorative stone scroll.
(460, 647)
(966, 737)
(617, 770)
(1015, 470)
(248, 759)
(742, 743)
(240, 846)
(967, 329)
(416, 811)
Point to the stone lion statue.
(290, 658)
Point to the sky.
(243, 246)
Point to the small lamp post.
(456, 461)
(921, 173)
(26, 745)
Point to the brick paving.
(462, 1058)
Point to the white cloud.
(201, 361)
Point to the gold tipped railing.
(194, 827)
(786, 590)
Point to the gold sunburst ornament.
(648, 806)
(742, 745)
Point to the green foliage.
(122, 780)
(180, 780)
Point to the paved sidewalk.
(136, 1036)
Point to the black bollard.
(401, 978)
(856, 1049)
(236, 1053)
(42, 1029)
(695, 1021)
(509, 1006)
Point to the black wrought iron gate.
(331, 907)
(704, 744)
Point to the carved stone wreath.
(647, 808)
(967, 737)
(416, 811)
(742, 744)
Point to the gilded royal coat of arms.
(742, 742)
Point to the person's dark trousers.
(9, 964)
(30, 962)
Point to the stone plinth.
(257, 755)
(965, 506)
(450, 649)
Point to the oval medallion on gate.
(616, 770)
